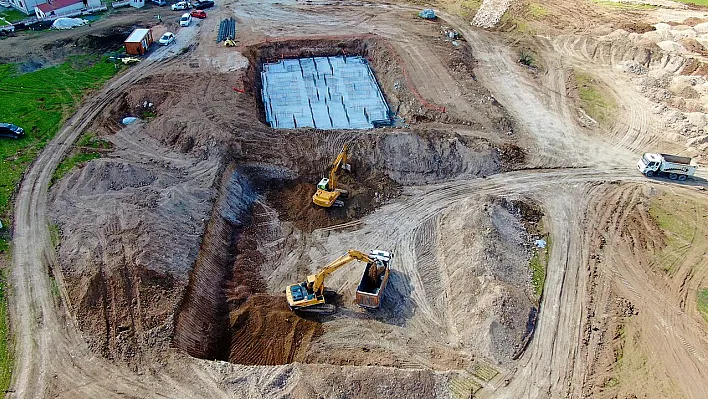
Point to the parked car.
(185, 20)
(11, 131)
(182, 5)
(160, 2)
(200, 5)
(167, 38)
(198, 14)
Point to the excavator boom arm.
(338, 163)
(318, 280)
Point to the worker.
(159, 19)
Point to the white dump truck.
(673, 166)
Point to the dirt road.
(566, 172)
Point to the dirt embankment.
(381, 164)
(225, 313)
(123, 282)
(202, 319)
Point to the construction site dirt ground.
(177, 243)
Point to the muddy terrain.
(531, 258)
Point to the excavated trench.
(223, 308)
(226, 312)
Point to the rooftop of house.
(52, 5)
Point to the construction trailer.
(139, 41)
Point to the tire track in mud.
(543, 365)
(428, 267)
(421, 200)
(624, 266)
(400, 227)
(440, 88)
(554, 141)
(635, 127)
(266, 18)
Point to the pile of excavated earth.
(531, 257)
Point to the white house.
(26, 6)
(57, 8)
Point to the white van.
(185, 20)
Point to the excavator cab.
(299, 293)
(322, 185)
(304, 298)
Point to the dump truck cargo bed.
(369, 293)
(677, 159)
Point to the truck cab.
(649, 163)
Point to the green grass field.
(12, 15)
(703, 302)
(624, 6)
(676, 218)
(594, 100)
(538, 274)
(39, 102)
(538, 265)
(696, 2)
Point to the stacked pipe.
(227, 30)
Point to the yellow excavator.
(309, 296)
(327, 194)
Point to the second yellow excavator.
(309, 296)
(327, 194)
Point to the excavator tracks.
(321, 309)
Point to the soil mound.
(264, 331)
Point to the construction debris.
(68, 23)
(227, 30)
(427, 14)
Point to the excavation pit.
(339, 92)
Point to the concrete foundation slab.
(322, 92)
